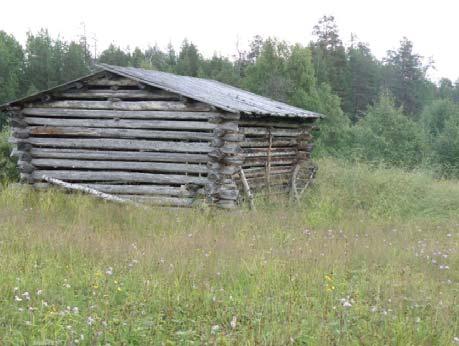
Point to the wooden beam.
(129, 105)
(129, 177)
(82, 154)
(121, 123)
(117, 114)
(121, 165)
(112, 133)
(123, 144)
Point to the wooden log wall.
(120, 137)
(225, 160)
(272, 147)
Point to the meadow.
(370, 256)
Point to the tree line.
(377, 110)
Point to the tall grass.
(369, 257)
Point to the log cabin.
(155, 137)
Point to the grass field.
(370, 257)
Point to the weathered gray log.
(293, 187)
(121, 165)
(129, 105)
(255, 143)
(117, 155)
(261, 131)
(275, 160)
(125, 144)
(26, 167)
(111, 82)
(115, 176)
(275, 124)
(117, 114)
(111, 133)
(122, 94)
(263, 152)
(247, 191)
(121, 123)
(81, 188)
(162, 201)
(164, 190)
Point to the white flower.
(374, 309)
(26, 295)
(347, 304)
(66, 285)
(16, 298)
(233, 322)
(44, 303)
(109, 271)
(456, 340)
(215, 329)
(443, 267)
(75, 310)
(90, 321)
(39, 292)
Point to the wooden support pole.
(247, 191)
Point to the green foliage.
(387, 135)
(364, 81)
(8, 168)
(11, 68)
(114, 55)
(405, 77)
(189, 60)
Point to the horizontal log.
(129, 105)
(161, 201)
(126, 144)
(122, 123)
(111, 82)
(255, 143)
(138, 189)
(261, 171)
(275, 161)
(121, 165)
(111, 133)
(256, 152)
(117, 114)
(122, 94)
(117, 155)
(130, 177)
(282, 123)
(261, 131)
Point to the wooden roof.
(212, 92)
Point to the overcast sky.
(216, 26)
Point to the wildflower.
(26, 295)
(44, 303)
(16, 289)
(20, 309)
(75, 310)
(346, 302)
(32, 309)
(109, 271)
(28, 323)
(456, 340)
(374, 309)
(66, 285)
(443, 267)
(449, 235)
(90, 321)
(39, 292)
(233, 322)
(17, 299)
(215, 328)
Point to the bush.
(8, 166)
(387, 135)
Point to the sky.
(222, 26)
